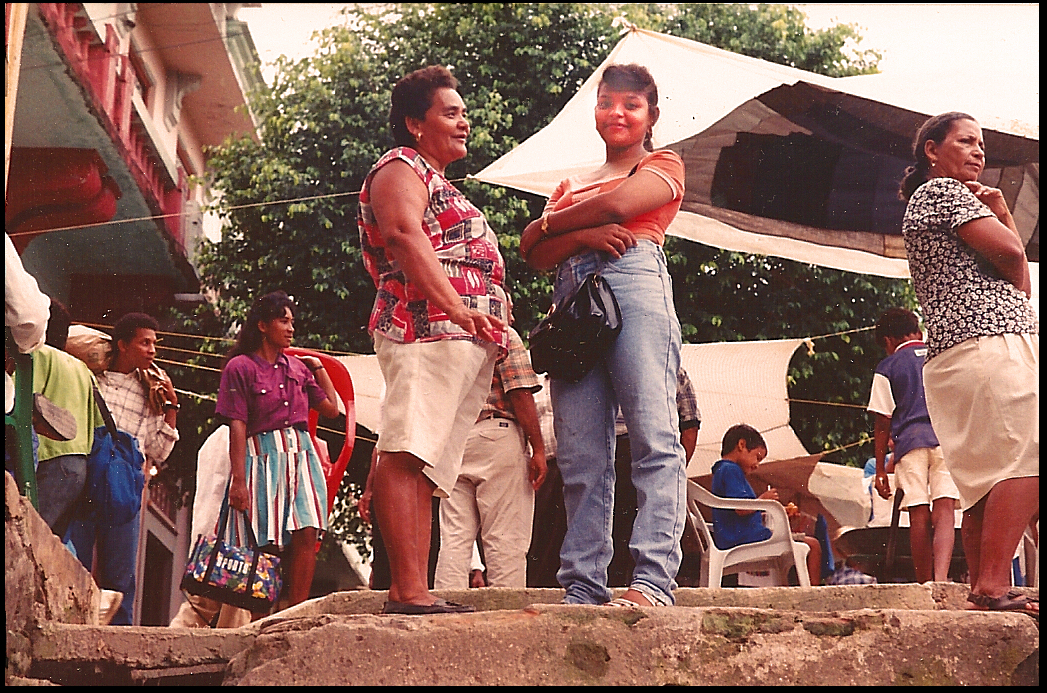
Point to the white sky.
(994, 40)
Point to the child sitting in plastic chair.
(742, 451)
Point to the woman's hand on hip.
(476, 323)
(613, 239)
(311, 362)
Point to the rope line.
(209, 398)
(219, 210)
(187, 365)
(332, 352)
(189, 351)
(791, 400)
(831, 404)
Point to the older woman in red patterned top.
(438, 321)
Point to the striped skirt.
(286, 482)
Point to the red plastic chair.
(343, 385)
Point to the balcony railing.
(108, 79)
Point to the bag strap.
(224, 518)
(223, 524)
(107, 415)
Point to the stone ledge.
(117, 655)
(559, 644)
(929, 597)
(547, 643)
(43, 581)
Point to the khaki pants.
(493, 496)
(198, 612)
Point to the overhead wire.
(199, 396)
(167, 24)
(152, 49)
(222, 209)
(185, 364)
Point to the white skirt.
(983, 396)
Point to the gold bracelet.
(545, 225)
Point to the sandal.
(51, 420)
(1011, 601)
(440, 606)
(622, 601)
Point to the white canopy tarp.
(699, 86)
(715, 371)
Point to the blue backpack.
(113, 490)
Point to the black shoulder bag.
(577, 332)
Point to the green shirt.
(66, 381)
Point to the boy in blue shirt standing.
(743, 449)
(897, 400)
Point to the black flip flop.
(52, 420)
(440, 606)
(1011, 601)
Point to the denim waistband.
(576, 268)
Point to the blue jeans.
(59, 484)
(117, 554)
(639, 375)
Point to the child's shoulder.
(725, 466)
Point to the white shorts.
(923, 476)
(433, 393)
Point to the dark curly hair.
(127, 327)
(935, 130)
(897, 323)
(412, 97)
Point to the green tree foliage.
(775, 33)
(323, 124)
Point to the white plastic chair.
(776, 554)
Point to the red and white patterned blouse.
(465, 245)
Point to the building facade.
(109, 109)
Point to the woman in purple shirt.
(276, 474)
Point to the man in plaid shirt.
(494, 494)
(143, 403)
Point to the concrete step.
(856, 635)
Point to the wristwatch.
(168, 406)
